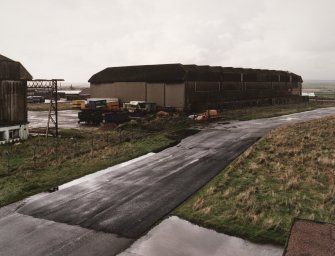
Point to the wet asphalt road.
(126, 203)
(66, 119)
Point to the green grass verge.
(258, 112)
(289, 173)
(325, 94)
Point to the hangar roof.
(175, 73)
(12, 70)
(152, 73)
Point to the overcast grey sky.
(73, 39)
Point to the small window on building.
(2, 136)
(14, 134)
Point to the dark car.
(35, 99)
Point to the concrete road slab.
(25, 235)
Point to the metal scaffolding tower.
(52, 86)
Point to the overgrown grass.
(257, 112)
(39, 164)
(289, 173)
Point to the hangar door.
(175, 95)
(155, 93)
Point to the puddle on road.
(178, 237)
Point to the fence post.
(34, 156)
(56, 151)
(92, 145)
(8, 165)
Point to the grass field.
(288, 173)
(39, 164)
(323, 89)
(319, 84)
(326, 94)
(249, 113)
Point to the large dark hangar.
(189, 87)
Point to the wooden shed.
(190, 87)
(13, 100)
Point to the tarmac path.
(121, 205)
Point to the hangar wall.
(125, 91)
(175, 95)
(156, 93)
(160, 93)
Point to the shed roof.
(12, 70)
(172, 73)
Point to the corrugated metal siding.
(9, 70)
(143, 73)
(234, 91)
(175, 73)
(13, 102)
(12, 70)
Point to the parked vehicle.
(35, 99)
(78, 104)
(140, 106)
(91, 116)
(98, 111)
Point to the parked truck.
(97, 111)
(139, 108)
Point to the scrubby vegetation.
(289, 173)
